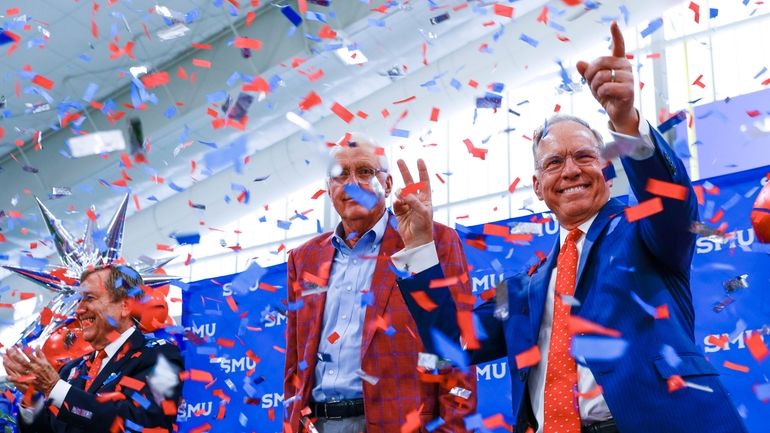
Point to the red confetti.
(243, 42)
(131, 383)
(528, 357)
(512, 186)
(342, 112)
(434, 114)
(757, 347)
(318, 193)
(666, 189)
(311, 100)
(503, 10)
(201, 63)
(43, 82)
(156, 79)
(698, 82)
(333, 337)
(736, 367)
(644, 209)
(231, 303)
(424, 301)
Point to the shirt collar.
(377, 232)
(583, 228)
(112, 348)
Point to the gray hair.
(542, 130)
(358, 139)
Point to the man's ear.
(388, 185)
(537, 186)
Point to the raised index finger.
(618, 43)
(405, 174)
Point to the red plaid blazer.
(392, 359)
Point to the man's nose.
(570, 167)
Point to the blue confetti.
(187, 238)
(88, 95)
(456, 84)
(376, 22)
(170, 112)
(33, 263)
(132, 425)
(283, 225)
(529, 40)
(670, 355)
(556, 26)
(609, 172)
(5, 38)
(403, 133)
(672, 121)
(302, 365)
(291, 15)
(295, 306)
(713, 12)
(248, 279)
(652, 27)
(434, 424)
(764, 69)
(624, 11)
(175, 187)
(141, 400)
(474, 422)
(598, 348)
(367, 298)
(361, 196)
(448, 349)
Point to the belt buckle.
(326, 412)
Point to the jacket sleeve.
(138, 410)
(290, 377)
(666, 234)
(453, 409)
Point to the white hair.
(358, 139)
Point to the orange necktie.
(96, 365)
(560, 411)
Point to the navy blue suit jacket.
(81, 412)
(649, 258)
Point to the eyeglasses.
(362, 174)
(555, 163)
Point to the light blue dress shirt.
(351, 276)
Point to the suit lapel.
(538, 289)
(313, 310)
(383, 281)
(134, 343)
(612, 208)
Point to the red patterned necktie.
(560, 411)
(96, 365)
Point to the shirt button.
(349, 289)
(344, 316)
(355, 261)
(331, 372)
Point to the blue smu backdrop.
(235, 325)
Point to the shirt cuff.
(28, 414)
(638, 148)
(416, 259)
(59, 393)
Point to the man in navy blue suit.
(129, 383)
(609, 271)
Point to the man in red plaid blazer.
(352, 346)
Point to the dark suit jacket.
(82, 412)
(392, 359)
(649, 258)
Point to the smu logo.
(743, 238)
(275, 318)
(486, 282)
(187, 410)
(238, 364)
(494, 370)
(271, 399)
(203, 330)
(722, 342)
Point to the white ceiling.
(275, 144)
